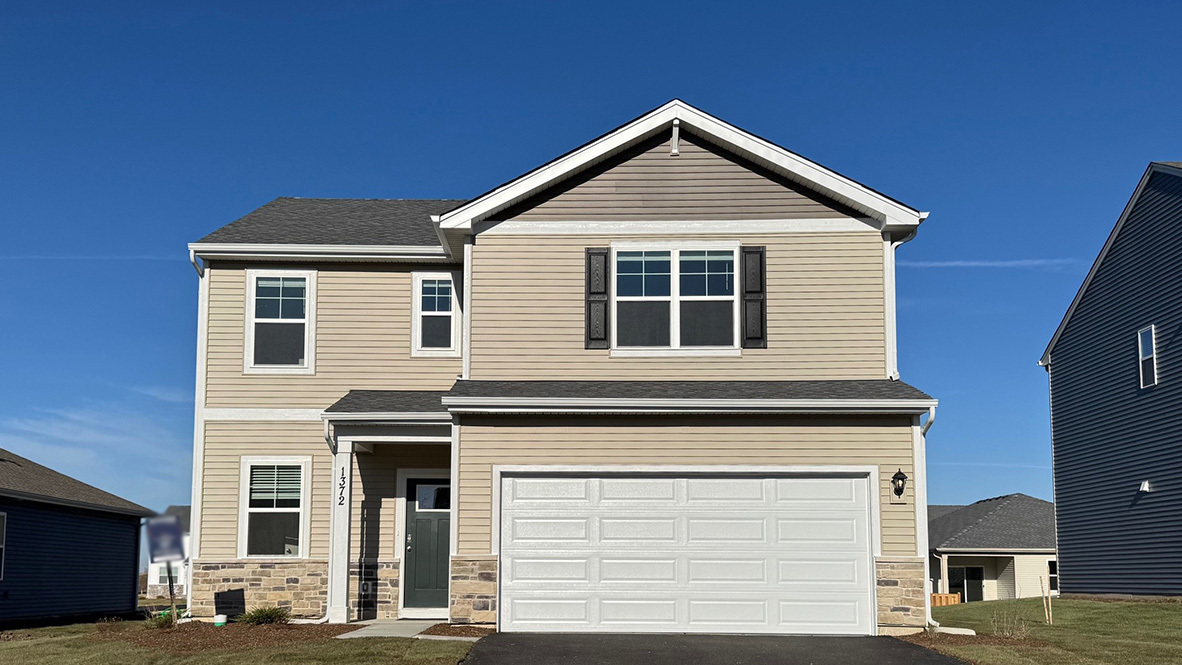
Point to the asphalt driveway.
(612, 649)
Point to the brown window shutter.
(598, 298)
(754, 298)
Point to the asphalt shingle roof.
(867, 389)
(182, 513)
(1013, 521)
(25, 479)
(390, 401)
(300, 221)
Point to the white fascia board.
(885, 210)
(578, 405)
(1120, 222)
(386, 416)
(265, 252)
(996, 551)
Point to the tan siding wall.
(373, 484)
(703, 183)
(826, 312)
(885, 442)
(1028, 568)
(363, 323)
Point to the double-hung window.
(1147, 356)
(1053, 575)
(281, 306)
(435, 327)
(273, 507)
(676, 298)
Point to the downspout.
(196, 263)
(323, 619)
(927, 597)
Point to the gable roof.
(1172, 168)
(1009, 522)
(22, 478)
(889, 212)
(183, 514)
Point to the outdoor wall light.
(899, 482)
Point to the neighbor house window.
(280, 321)
(1147, 356)
(435, 327)
(1053, 575)
(273, 507)
(676, 298)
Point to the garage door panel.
(688, 554)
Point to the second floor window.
(280, 320)
(436, 326)
(675, 299)
(1147, 356)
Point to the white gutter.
(931, 419)
(196, 262)
(648, 405)
(386, 416)
(260, 251)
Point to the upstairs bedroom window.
(679, 298)
(281, 307)
(273, 507)
(435, 326)
(1147, 356)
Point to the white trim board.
(580, 405)
(697, 227)
(885, 210)
(256, 415)
(285, 252)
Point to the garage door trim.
(866, 472)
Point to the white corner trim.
(199, 423)
(255, 415)
(245, 462)
(668, 227)
(466, 370)
(309, 366)
(760, 151)
(456, 314)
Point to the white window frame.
(1055, 576)
(309, 366)
(675, 299)
(244, 509)
(1141, 357)
(3, 542)
(456, 314)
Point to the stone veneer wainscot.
(901, 607)
(474, 589)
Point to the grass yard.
(1085, 632)
(132, 644)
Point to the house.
(1116, 404)
(648, 386)
(158, 572)
(67, 549)
(995, 549)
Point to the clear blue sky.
(128, 131)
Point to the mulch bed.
(199, 636)
(459, 630)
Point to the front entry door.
(428, 528)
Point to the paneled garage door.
(698, 554)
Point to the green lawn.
(81, 645)
(1085, 632)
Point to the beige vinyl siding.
(363, 324)
(826, 311)
(374, 479)
(652, 440)
(702, 183)
(1028, 569)
(1005, 579)
(992, 566)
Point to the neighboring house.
(994, 549)
(67, 549)
(1116, 404)
(677, 406)
(158, 572)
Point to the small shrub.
(161, 620)
(261, 616)
(1009, 625)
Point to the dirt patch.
(459, 630)
(10, 636)
(930, 641)
(198, 636)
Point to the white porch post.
(943, 573)
(342, 513)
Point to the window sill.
(674, 353)
(266, 369)
(441, 353)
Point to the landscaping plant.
(261, 616)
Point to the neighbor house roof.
(1010, 522)
(389, 401)
(300, 221)
(22, 478)
(182, 513)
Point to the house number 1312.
(341, 488)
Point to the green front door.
(428, 528)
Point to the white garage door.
(716, 554)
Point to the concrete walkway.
(390, 628)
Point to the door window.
(432, 497)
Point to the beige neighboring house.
(648, 386)
(995, 549)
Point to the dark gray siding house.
(1115, 367)
(67, 549)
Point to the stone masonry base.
(900, 596)
(373, 590)
(474, 589)
(233, 587)
(161, 590)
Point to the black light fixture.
(899, 482)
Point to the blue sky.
(127, 130)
